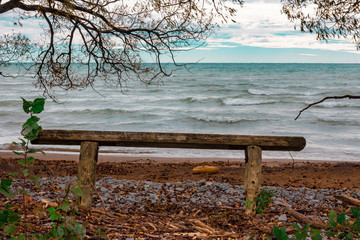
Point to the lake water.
(256, 99)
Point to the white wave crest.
(244, 101)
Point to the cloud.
(261, 24)
(308, 54)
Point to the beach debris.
(47, 203)
(205, 169)
(301, 217)
(348, 199)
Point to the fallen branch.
(324, 99)
(348, 199)
(301, 217)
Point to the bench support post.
(87, 171)
(252, 176)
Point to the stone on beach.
(205, 169)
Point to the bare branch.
(109, 38)
(324, 99)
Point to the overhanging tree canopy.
(327, 19)
(108, 37)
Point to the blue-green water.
(258, 99)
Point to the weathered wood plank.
(87, 171)
(253, 163)
(170, 140)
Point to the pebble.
(283, 218)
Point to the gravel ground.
(127, 194)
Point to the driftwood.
(170, 140)
(348, 199)
(301, 217)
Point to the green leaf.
(23, 142)
(53, 214)
(77, 192)
(19, 153)
(27, 105)
(32, 120)
(315, 234)
(355, 212)
(30, 131)
(34, 179)
(341, 218)
(33, 150)
(21, 237)
(4, 187)
(25, 172)
(280, 234)
(65, 206)
(38, 105)
(10, 229)
(297, 227)
(332, 214)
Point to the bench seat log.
(170, 140)
(91, 140)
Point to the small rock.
(205, 169)
(283, 218)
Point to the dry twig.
(301, 217)
(324, 99)
(348, 199)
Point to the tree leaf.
(27, 105)
(38, 105)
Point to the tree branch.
(324, 99)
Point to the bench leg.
(87, 171)
(252, 176)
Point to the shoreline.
(116, 158)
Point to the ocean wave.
(244, 101)
(104, 111)
(262, 92)
(337, 122)
(332, 104)
(10, 102)
(223, 119)
(202, 99)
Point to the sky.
(261, 34)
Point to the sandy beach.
(276, 172)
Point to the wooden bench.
(91, 140)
